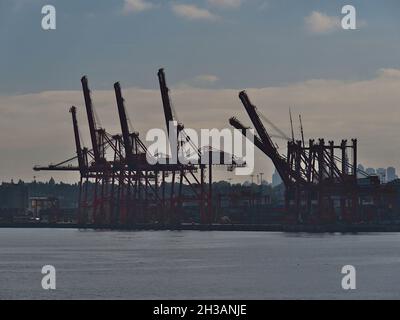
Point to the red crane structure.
(320, 182)
(188, 173)
(120, 187)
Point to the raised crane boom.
(166, 100)
(269, 148)
(81, 160)
(91, 119)
(124, 122)
(258, 125)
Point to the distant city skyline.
(385, 174)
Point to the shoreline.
(371, 228)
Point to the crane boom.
(91, 119)
(269, 148)
(258, 125)
(79, 152)
(166, 100)
(124, 122)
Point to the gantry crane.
(138, 167)
(315, 178)
(185, 171)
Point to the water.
(196, 265)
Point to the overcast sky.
(289, 53)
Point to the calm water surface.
(196, 265)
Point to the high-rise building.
(381, 172)
(391, 174)
(276, 179)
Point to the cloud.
(320, 23)
(131, 6)
(389, 73)
(192, 12)
(331, 109)
(200, 81)
(207, 78)
(226, 3)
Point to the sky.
(286, 53)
